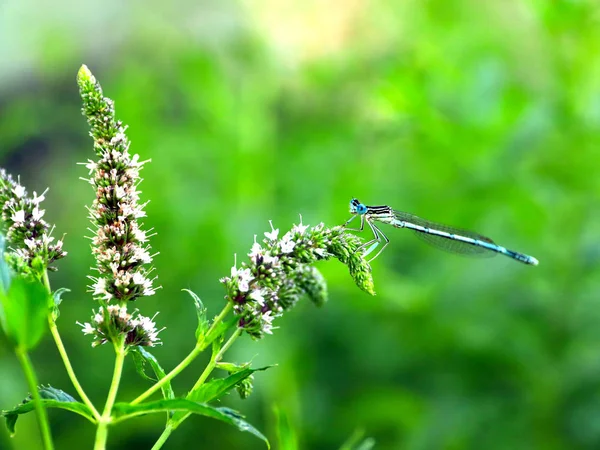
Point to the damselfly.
(441, 236)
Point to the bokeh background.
(479, 114)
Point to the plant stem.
(207, 371)
(69, 368)
(65, 357)
(199, 348)
(33, 387)
(105, 419)
(163, 438)
(215, 359)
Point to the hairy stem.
(105, 419)
(65, 358)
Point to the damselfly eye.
(361, 209)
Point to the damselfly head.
(356, 207)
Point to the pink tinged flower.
(244, 279)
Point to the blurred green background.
(479, 114)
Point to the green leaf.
(51, 398)
(57, 295)
(123, 411)
(203, 324)
(51, 393)
(218, 387)
(24, 312)
(287, 436)
(57, 300)
(141, 356)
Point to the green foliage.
(51, 398)
(123, 411)
(481, 115)
(24, 310)
(203, 324)
(215, 389)
(141, 356)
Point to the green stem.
(199, 348)
(33, 388)
(65, 358)
(163, 438)
(216, 358)
(105, 419)
(70, 371)
(207, 371)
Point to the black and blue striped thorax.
(356, 207)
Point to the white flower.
(321, 252)
(258, 296)
(100, 286)
(37, 199)
(299, 228)
(37, 213)
(120, 192)
(98, 317)
(87, 328)
(139, 235)
(287, 245)
(18, 216)
(244, 278)
(19, 191)
(91, 166)
(140, 254)
(267, 326)
(269, 259)
(255, 250)
(119, 137)
(272, 236)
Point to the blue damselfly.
(441, 236)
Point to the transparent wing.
(446, 243)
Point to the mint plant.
(279, 271)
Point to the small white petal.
(19, 191)
(272, 235)
(18, 216)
